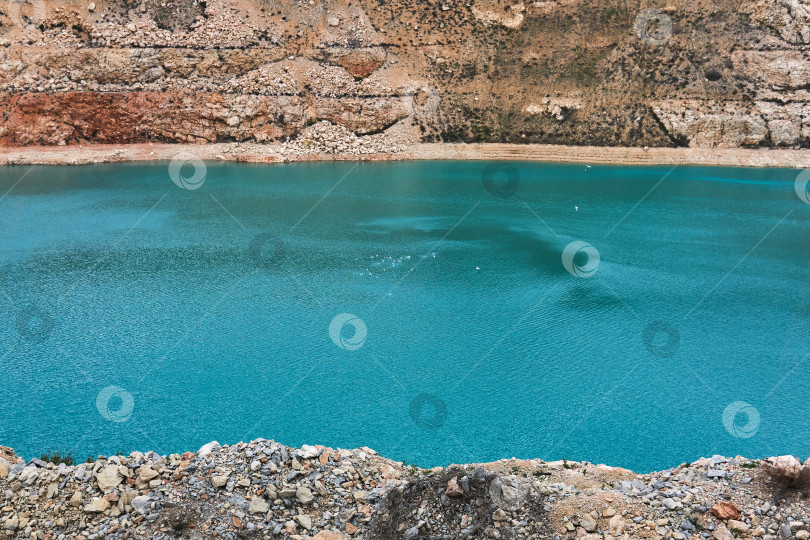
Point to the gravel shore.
(263, 489)
(320, 142)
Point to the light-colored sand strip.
(273, 153)
(618, 155)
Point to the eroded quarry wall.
(612, 72)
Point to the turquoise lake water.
(437, 312)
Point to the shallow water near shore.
(141, 316)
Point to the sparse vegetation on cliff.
(633, 73)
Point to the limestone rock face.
(773, 70)
(788, 124)
(508, 14)
(706, 123)
(791, 18)
(723, 74)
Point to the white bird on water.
(576, 208)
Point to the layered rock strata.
(575, 72)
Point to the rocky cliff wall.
(607, 72)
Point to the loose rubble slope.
(263, 489)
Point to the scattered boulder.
(145, 474)
(722, 533)
(109, 478)
(11, 523)
(219, 481)
(304, 520)
(142, 504)
(98, 505)
(303, 495)
(725, 510)
(738, 526)
(8, 456)
(206, 449)
(588, 523)
(786, 470)
(617, 525)
(258, 506)
(453, 489)
(329, 535)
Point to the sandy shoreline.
(275, 153)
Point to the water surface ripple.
(424, 309)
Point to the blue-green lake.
(437, 312)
